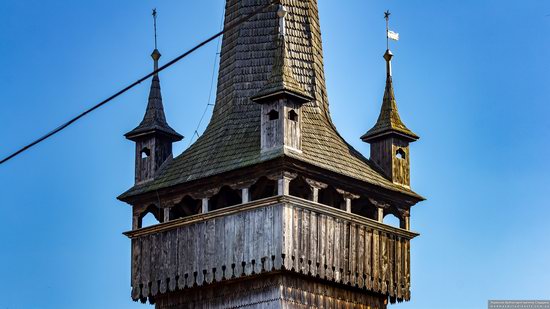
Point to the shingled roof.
(282, 78)
(232, 138)
(389, 121)
(154, 119)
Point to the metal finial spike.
(387, 18)
(281, 13)
(155, 25)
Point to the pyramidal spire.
(282, 80)
(154, 119)
(389, 121)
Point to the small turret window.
(400, 154)
(273, 115)
(145, 153)
(292, 115)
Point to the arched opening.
(150, 216)
(391, 219)
(263, 188)
(225, 198)
(400, 154)
(300, 188)
(292, 115)
(187, 207)
(273, 114)
(329, 196)
(363, 207)
(145, 153)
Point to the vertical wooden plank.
(296, 238)
(163, 271)
(136, 268)
(375, 260)
(146, 262)
(229, 242)
(267, 242)
(240, 224)
(337, 249)
(322, 231)
(361, 256)
(391, 265)
(288, 240)
(191, 245)
(368, 258)
(346, 246)
(155, 257)
(173, 260)
(278, 236)
(219, 248)
(248, 242)
(304, 242)
(408, 269)
(209, 250)
(384, 261)
(353, 254)
(399, 268)
(314, 244)
(260, 240)
(330, 248)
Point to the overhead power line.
(137, 82)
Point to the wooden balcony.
(280, 233)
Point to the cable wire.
(137, 82)
(208, 104)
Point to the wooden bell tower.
(270, 207)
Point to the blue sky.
(471, 79)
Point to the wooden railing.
(281, 233)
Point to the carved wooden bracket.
(205, 193)
(279, 175)
(316, 184)
(404, 213)
(379, 204)
(348, 195)
(243, 184)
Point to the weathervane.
(389, 34)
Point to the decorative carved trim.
(205, 193)
(285, 174)
(379, 204)
(315, 184)
(347, 194)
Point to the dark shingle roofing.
(282, 78)
(154, 119)
(389, 121)
(232, 138)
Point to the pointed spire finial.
(155, 25)
(156, 54)
(387, 18)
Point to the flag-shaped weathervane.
(390, 35)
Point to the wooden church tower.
(270, 207)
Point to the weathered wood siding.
(279, 233)
(271, 292)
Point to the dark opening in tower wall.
(263, 188)
(225, 198)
